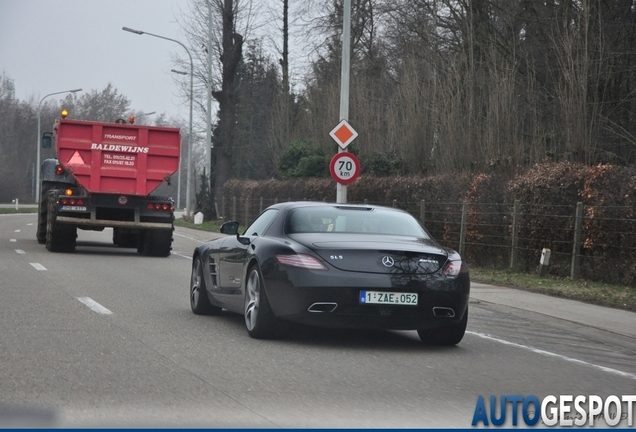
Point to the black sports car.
(333, 265)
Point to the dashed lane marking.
(12, 240)
(38, 266)
(20, 252)
(94, 306)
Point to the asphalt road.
(105, 338)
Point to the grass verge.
(14, 211)
(614, 296)
(213, 226)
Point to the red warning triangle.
(76, 159)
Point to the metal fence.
(596, 243)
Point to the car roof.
(299, 204)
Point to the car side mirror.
(230, 228)
(47, 139)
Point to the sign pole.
(341, 190)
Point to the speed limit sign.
(344, 167)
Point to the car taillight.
(454, 268)
(301, 261)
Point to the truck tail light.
(160, 206)
(72, 201)
(59, 170)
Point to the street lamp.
(179, 176)
(189, 204)
(39, 142)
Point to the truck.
(103, 176)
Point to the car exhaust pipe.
(443, 312)
(322, 307)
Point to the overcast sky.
(53, 45)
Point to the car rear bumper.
(308, 298)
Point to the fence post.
(575, 272)
(276, 200)
(260, 206)
(515, 235)
(423, 212)
(234, 207)
(366, 201)
(223, 208)
(394, 203)
(462, 233)
(247, 210)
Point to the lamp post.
(39, 142)
(179, 176)
(189, 170)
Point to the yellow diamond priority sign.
(343, 134)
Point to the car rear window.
(362, 220)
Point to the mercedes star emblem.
(387, 261)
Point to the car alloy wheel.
(199, 301)
(252, 299)
(260, 321)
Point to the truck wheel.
(125, 239)
(59, 237)
(40, 234)
(156, 243)
(42, 211)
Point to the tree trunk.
(232, 52)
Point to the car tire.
(199, 301)
(447, 336)
(260, 321)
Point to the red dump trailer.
(104, 176)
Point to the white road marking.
(38, 266)
(20, 251)
(93, 305)
(29, 224)
(551, 354)
(180, 255)
(17, 231)
(185, 236)
(12, 240)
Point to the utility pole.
(341, 190)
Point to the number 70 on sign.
(344, 167)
